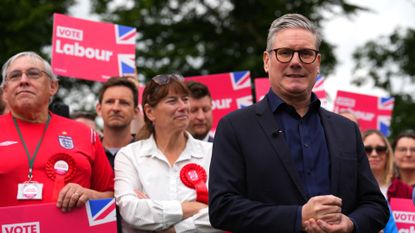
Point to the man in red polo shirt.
(45, 157)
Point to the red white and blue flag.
(230, 91)
(319, 90)
(101, 211)
(386, 103)
(373, 112)
(92, 50)
(241, 80)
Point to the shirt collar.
(275, 102)
(150, 149)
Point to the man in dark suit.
(285, 164)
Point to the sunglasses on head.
(164, 79)
(378, 149)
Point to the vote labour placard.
(404, 213)
(372, 112)
(229, 91)
(92, 50)
(97, 216)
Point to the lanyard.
(31, 158)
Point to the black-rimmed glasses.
(285, 55)
(32, 73)
(163, 79)
(380, 150)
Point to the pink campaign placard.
(373, 112)
(97, 216)
(92, 50)
(262, 86)
(230, 91)
(404, 213)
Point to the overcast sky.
(347, 34)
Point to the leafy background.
(196, 37)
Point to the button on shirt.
(307, 142)
(142, 166)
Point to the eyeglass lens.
(32, 73)
(306, 56)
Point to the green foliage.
(389, 63)
(200, 37)
(403, 112)
(191, 37)
(27, 25)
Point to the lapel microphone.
(277, 132)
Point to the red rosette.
(194, 176)
(52, 172)
(60, 168)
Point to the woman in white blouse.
(160, 180)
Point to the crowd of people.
(284, 164)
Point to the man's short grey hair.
(292, 21)
(34, 56)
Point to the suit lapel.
(270, 126)
(335, 165)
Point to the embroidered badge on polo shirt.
(66, 141)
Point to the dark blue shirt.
(307, 142)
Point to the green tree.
(186, 36)
(27, 25)
(389, 63)
(200, 37)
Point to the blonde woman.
(380, 156)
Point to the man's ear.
(98, 109)
(266, 59)
(54, 87)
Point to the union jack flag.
(241, 80)
(126, 64)
(384, 121)
(319, 85)
(383, 125)
(386, 103)
(243, 102)
(100, 211)
(125, 35)
(318, 89)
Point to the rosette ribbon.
(60, 168)
(194, 176)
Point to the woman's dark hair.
(152, 95)
(404, 134)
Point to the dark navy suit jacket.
(254, 185)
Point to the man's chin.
(118, 126)
(200, 136)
